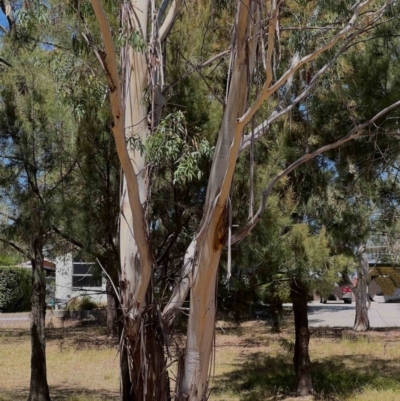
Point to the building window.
(84, 275)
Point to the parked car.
(340, 292)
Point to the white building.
(76, 279)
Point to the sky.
(3, 20)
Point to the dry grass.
(257, 365)
(251, 363)
(82, 363)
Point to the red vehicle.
(340, 292)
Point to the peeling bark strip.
(301, 359)
(144, 353)
(361, 322)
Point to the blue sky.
(3, 20)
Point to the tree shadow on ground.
(59, 393)
(258, 376)
(14, 334)
(79, 334)
(340, 333)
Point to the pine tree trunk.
(301, 359)
(112, 311)
(277, 314)
(361, 322)
(39, 389)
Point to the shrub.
(84, 303)
(15, 289)
(88, 304)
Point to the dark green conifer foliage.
(36, 134)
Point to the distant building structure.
(69, 277)
(76, 278)
(384, 272)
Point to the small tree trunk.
(112, 311)
(361, 322)
(39, 389)
(301, 359)
(277, 314)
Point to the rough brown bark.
(125, 380)
(39, 389)
(126, 385)
(361, 321)
(144, 342)
(277, 314)
(301, 359)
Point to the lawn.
(82, 363)
(251, 363)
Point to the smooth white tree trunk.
(135, 80)
(193, 384)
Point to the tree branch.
(353, 134)
(270, 45)
(169, 19)
(181, 289)
(197, 67)
(161, 11)
(267, 91)
(17, 248)
(261, 129)
(68, 238)
(67, 173)
(8, 216)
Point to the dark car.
(342, 292)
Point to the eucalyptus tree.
(255, 26)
